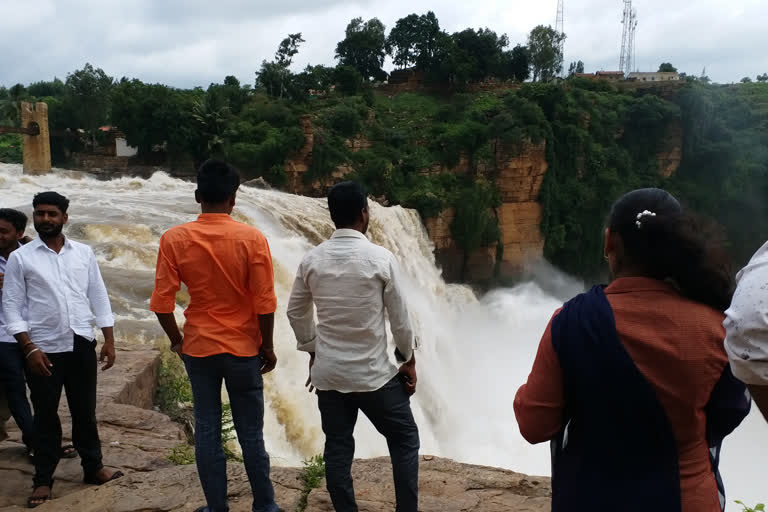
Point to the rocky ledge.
(139, 440)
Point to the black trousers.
(75, 372)
(389, 409)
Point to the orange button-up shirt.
(227, 268)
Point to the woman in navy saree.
(631, 382)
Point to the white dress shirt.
(746, 322)
(4, 336)
(63, 293)
(352, 282)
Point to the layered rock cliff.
(517, 170)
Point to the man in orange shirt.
(227, 268)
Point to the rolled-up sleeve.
(262, 279)
(167, 280)
(540, 402)
(301, 313)
(97, 294)
(397, 310)
(14, 296)
(746, 326)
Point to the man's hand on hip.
(268, 360)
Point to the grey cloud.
(194, 42)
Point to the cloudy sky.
(186, 43)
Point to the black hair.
(16, 218)
(217, 181)
(663, 242)
(52, 199)
(346, 201)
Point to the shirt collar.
(639, 284)
(37, 243)
(214, 217)
(348, 233)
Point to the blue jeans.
(242, 376)
(15, 386)
(389, 409)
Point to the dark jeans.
(389, 409)
(14, 384)
(75, 372)
(242, 376)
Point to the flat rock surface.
(171, 489)
(445, 486)
(133, 439)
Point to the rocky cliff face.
(518, 171)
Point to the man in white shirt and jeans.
(352, 282)
(59, 283)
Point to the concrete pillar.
(37, 148)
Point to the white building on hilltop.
(659, 76)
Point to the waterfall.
(474, 353)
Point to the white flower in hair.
(641, 215)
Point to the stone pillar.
(37, 148)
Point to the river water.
(474, 353)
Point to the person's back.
(677, 344)
(226, 267)
(347, 276)
(352, 283)
(631, 382)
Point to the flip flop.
(68, 452)
(36, 501)
(93, 480)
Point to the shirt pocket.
(77, 275)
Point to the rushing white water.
(474, 353)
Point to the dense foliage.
(437, 151)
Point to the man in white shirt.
(353, 282)
(746, 326)
(59, 283)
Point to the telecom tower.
(629, 23)
(560, 29)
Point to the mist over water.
(474, 353)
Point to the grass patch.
(182, 454)
(758, 508)
(174, 398)
(311, 478)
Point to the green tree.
(348, 80)
(475, 225)
(576, 67)
(275, 76)
(666, 67)
(152, 115)
(413, 40)
(55, 88)
(746, 80)
(90, 91)
(762, 78)
(364, 48)
(546, 55)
